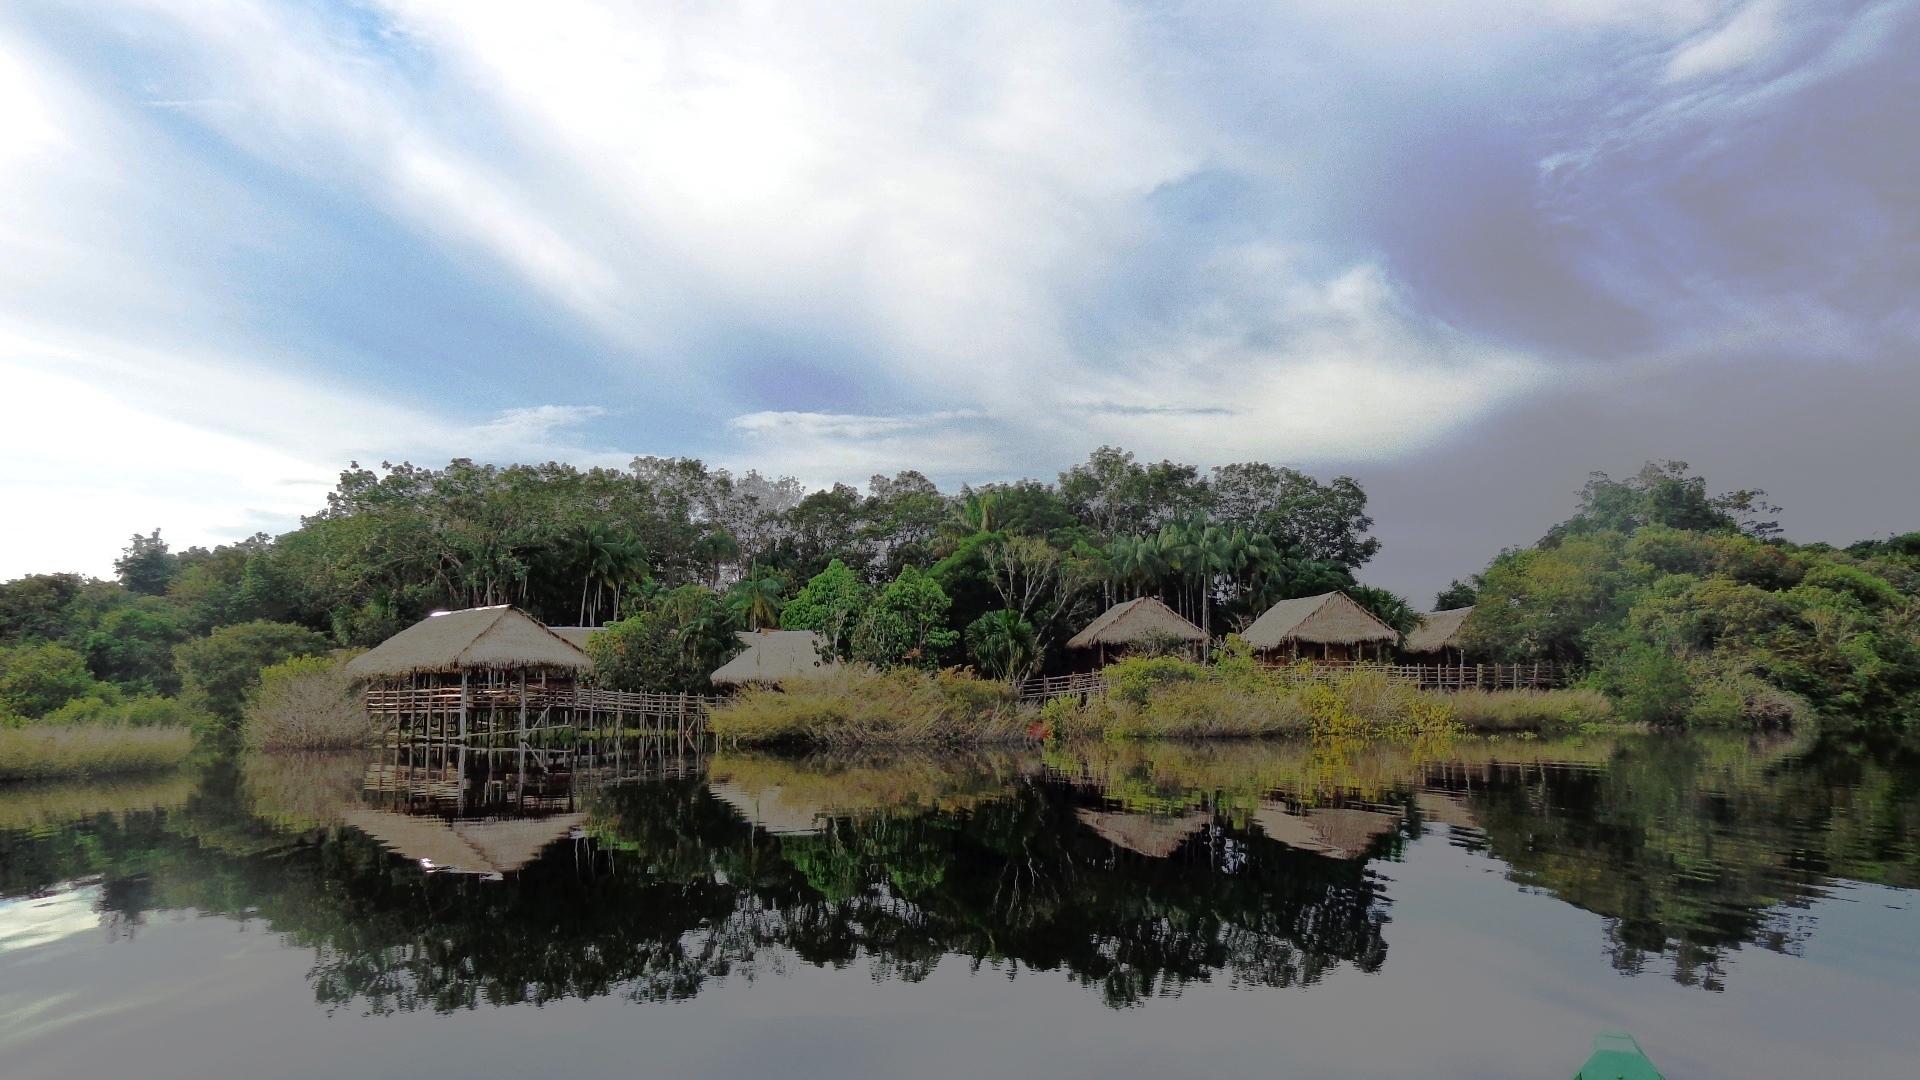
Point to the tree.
(1666, 493)
(1457, 594)
(37, 679)
(1321, 522)
(756, 600)
(219, 671)
(906, 624)
(1003, 645)
(831, 604)
(36, 607)
(132, 646)
(146, 567)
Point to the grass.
(858, 706)
(1170, 698)
(1148, 698)
(1529, 710)
(48, 751)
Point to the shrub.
(855, 705)
(1529, 710)
(307, 703)
(221, 669)
(45, 751)
(38, 679)
(110, 707)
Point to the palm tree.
(1003, 644)
(756, 600)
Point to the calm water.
(1746, 909)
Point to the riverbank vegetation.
(1679, 606)
(47, 751)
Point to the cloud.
(1752, 34)
(975, 239)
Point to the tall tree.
(146, 566)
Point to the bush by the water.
(45, 751)
(855, 704)
(1170, 698)
(306, 703)
(1529, 710)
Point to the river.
(1482, 909)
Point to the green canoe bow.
(1617, 1057)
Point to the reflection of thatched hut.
(1325, 627)
(493, 846)
(1338, 832)
(771, 808)
(1133, 623)
(489, 640)
(774, 656)
(1147, 834)
(1437, 638)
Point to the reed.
(858, 706)
(47, 751)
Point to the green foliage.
(1003, 645)
(1390, 608)
(1458, 594)
(672, 642)
(219, 671)
(1693, 617)
(35, 680)
(905, 624)
(830, 604)
(146, 567)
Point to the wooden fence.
(1427, 676)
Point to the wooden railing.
(1428, 676)
(1536, 676)
(1084, 685)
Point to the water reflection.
(1137, 869)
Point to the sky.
(1464, 250)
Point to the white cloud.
(1751, 35)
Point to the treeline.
(1683, 604)
(682, 555)
(1687, 607)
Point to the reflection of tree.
(1692, 849)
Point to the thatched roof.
(774, 656)
(1134, 621)
(1336, 832)
(494, 846)
(575, 635)
(1147, 834)
(1437, 630)
(1328, 619)
(502, 638)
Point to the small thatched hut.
(772, 657)
(1135, 622)
(1437, 638)
(489, 642)
(1325, 627)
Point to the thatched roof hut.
(1330, 623)
(491, 847)
(774, 656)
(1438, 632)
(502, 638)
(1146, 834)
(1135, 621)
